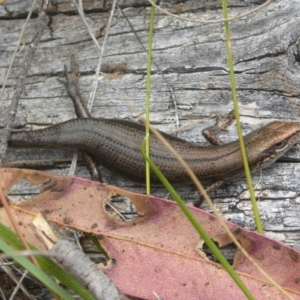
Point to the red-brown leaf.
(157, 253)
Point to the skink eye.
(281, 144)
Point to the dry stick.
(81, 266)
(21, 253)
(17, 47)
(35, 163)
(81, 13)
(4, 137)
(116, 211)
(1, 291)
(76, 262)
(95, 83)
(171, 91)
(18, 286)
(16, 226)
(12, 276)
(201, 21)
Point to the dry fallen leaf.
(158, 253)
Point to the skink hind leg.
(72, 87)
(209, 189)
(92, 165)
(221, 124)
(81, 112)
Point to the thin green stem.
(148, 89)
(238, 124)
(39, 274)
(212, 246)
(47, 264)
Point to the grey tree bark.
(266, 50)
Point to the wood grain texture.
(266, 49)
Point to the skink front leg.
(209, 133)
(221, 124)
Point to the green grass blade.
(148, 89)
(238, 124)
(48, 265)
(95, 241)
(212, 246)
(36, 272)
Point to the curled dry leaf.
(159, 252)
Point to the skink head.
(271, 142)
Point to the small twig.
(12, 276)
(80, 266)
(76, 262)
(87, 159)
(17, 48)
(18, 286)
(36, 163)
(102, 49)
(171, 91)
(73, 166)
(4, 137)
(236, 17)
(1, 291)
(95, 84)
(116, 211)
(81, 13)
(22, 253)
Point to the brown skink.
(116, 143)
